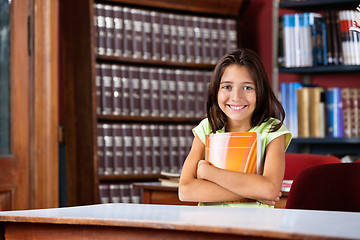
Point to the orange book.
(235, 151)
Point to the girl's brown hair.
(267, 105)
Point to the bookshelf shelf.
(326, 140)
(322, 69)
(149, 62)
(105, 118)
(130, 177)
(314, 5)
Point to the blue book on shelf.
(293, 116)
(334, 112)
(284, 89)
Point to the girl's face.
(237, 97)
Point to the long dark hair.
(267, 105)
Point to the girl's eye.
(248, 88)
(226, 87)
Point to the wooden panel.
(217, 7)
(20, 106)
(76, 54)
(59, 232)
(7, 183)
(45, 95)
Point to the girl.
(240, 99)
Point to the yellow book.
(235, 151)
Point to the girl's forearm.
(199, 190)
(251, 186)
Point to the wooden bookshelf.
(78, 71)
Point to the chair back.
(296, 162)
(334, 187)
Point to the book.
(169, 179)
(303, 108)
(234, 151)
(356, 21)
(317, 120)
(286, 185)
(335, 112)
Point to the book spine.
(164, 148)
(199, 96)
(181, 37)
(155, 92)
(146, 149)
(232, 34)
(190, 93)
(118, 31)
(127, 35)
(109, 30)
(163, 93)
(317, 112)
(134, 91)
(128, 148)
(338, 38)
(125, 91)
(106, 89)
(137, 31)
(98, 89)
(174, 55)
(335, 114)
(182, 145)
(118, 150)
(214, 37)
(145, 92)
(190, 39)
(108, 149)
(197, 39)
(116, 86)
(303, 110)
(114, 193)
(346, 102)
(165, 37)
(180, 93)
(100, 148)
(331, 56)
(100, 29)
(104, 193)
(156, 35)
(173, 149)
(172, 98)
(146, 34)
(156, 149)
(125, 195)
(354, 111)
(137, 149)
(135, 195)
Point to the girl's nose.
(237, 95)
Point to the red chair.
(334, 187)
(296, 162)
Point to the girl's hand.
(271, 202)
(201, 168)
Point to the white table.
(146, 221)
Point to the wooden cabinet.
(82, 63)
(324, 75)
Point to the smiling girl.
(240, 99)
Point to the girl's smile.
(237, 97)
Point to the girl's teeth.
(237, 108)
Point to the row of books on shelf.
(138, 149)
(313, 111)
(145, 34)
(314, 39)
(145, 91)
(119, 193)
